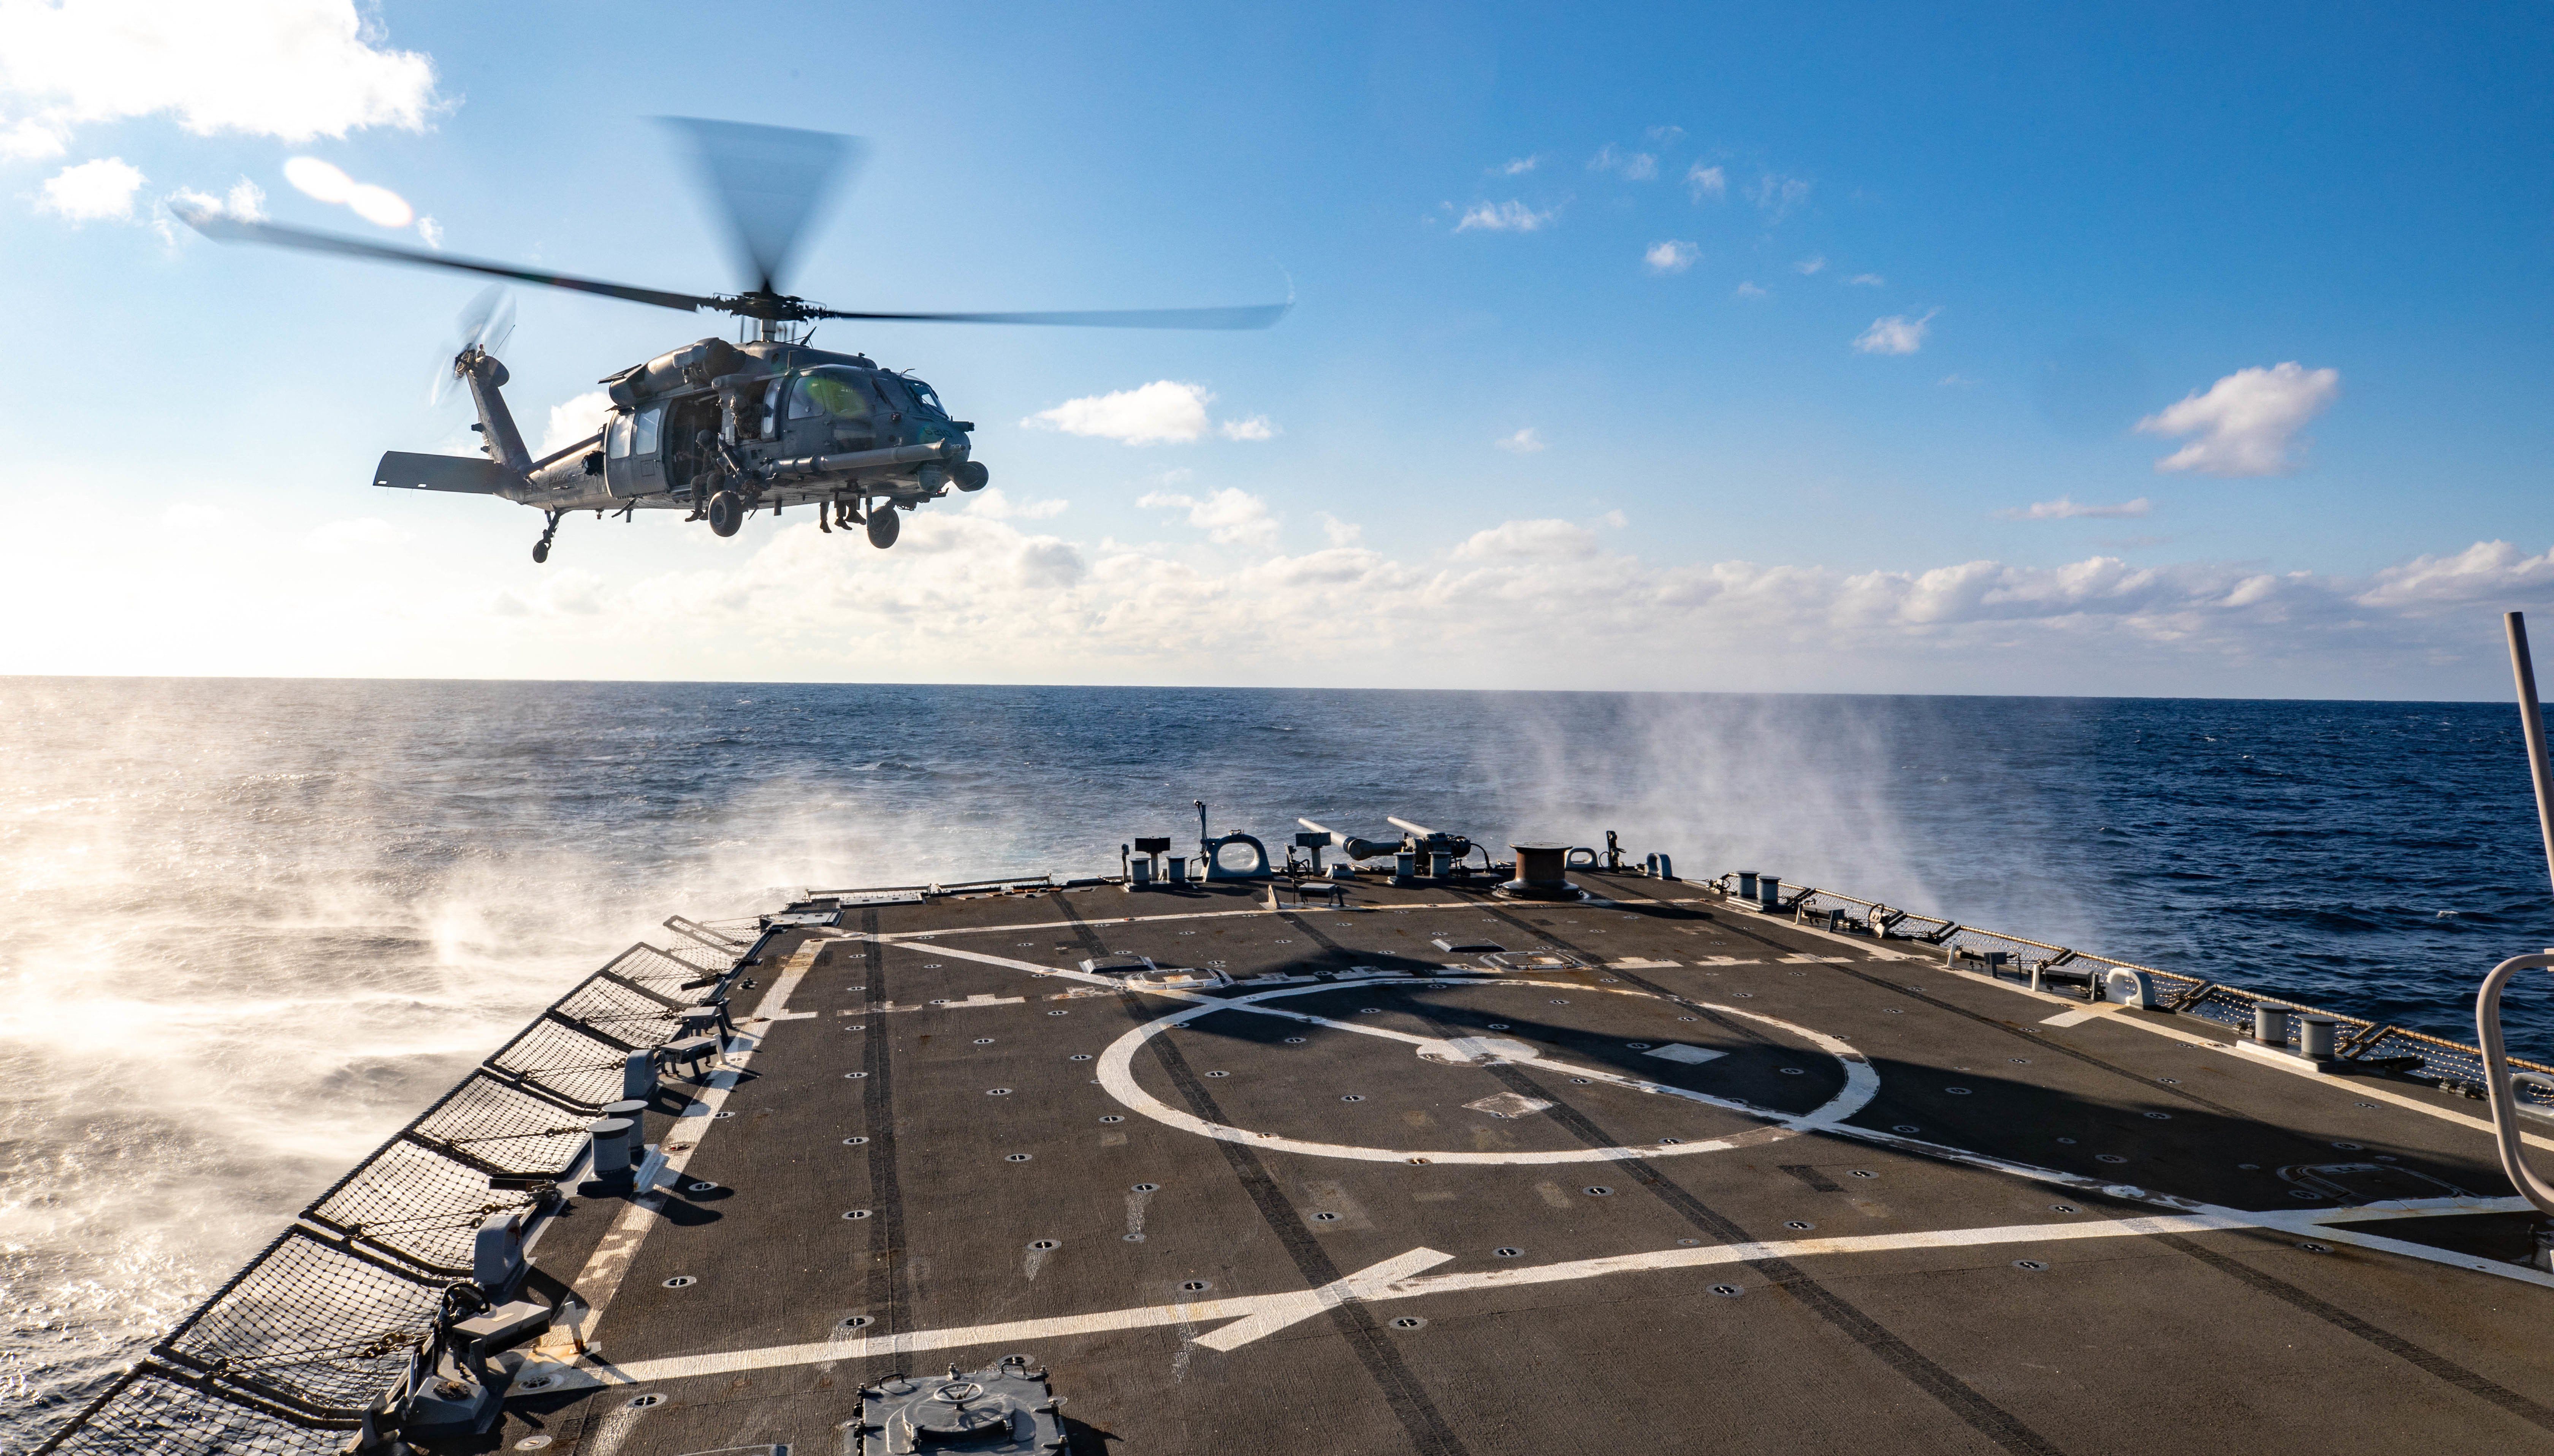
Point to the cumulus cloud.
(1706, 181)
(375, 204)
(2247, 423)
(1636, 167)
(93, 191)
(1896, 334)
(1866, 281)
(1163, 412)
(1510, 216)
(1778, 197)
(1814, 263)
(1749, 290)
(1257, 427)
(1520, 541)
(1339, 533)
(292, 69)
(575, 419)
(990, 503)
(1523, 442)
(1230, 518)
(1671, 256)
(1516, 169)
(2063, 508)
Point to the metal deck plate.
(1351, 1202)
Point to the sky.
(2154, 350)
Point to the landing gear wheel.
(540, 552)
(726, 512)
(883, 525)
(542, 547)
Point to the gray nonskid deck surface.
(1037, 1177)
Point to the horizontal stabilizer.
(404, 471)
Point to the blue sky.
(1571, 397)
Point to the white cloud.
(574, 419)
(1523, 442)
(31, 139)
(1518, 168)
(1778, 197)
(1896, 334)
(1163, 410)
(363, 533)
(1706, 181)
(991, 505)
(375, 204)
(1230, 518)
(2247, 423)
(1749, 290)
(1866, 281)
(245, 200)
(1955, 381)
(2063, 508)
(1636, 167)
(1510, 216)
(1814, 263)
(1671, 256)
(1339, 533)
(293, 69)
(1666, 136)
(92, 192)
(1521, 540)
(1257, 427)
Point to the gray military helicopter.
(716, 428)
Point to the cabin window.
(830, 392)
(643, 438)
(616, 439)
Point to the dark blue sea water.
(253, 926)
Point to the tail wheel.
(726, 512)
(540, 552)
(883, 525)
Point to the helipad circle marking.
(1116, 1076)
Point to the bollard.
(1139, 873)
(1440, 865)
(1405, 867)
(1745, 884)
(1175, 870)
(638, 1076)
(1771, 887)
(612, 1140)
(2314, 1037)
(2038, 970)
(498, 1255)
(1950, 956)
(1539, 873)
(2271, 1023)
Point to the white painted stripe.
(1257, 1315)
(600, 1281)
(2072, 1017)
(1281, 1310)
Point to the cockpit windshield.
(839, 392)
(924, 396)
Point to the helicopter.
(715, 428)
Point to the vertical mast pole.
(2522, 665)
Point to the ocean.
(255, 926)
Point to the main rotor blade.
(768, 182)
(1249, 316)
(224, 228)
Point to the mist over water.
(255, 925)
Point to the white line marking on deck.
(600, 1279)
(1398, 1279)
(2072, 1018)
